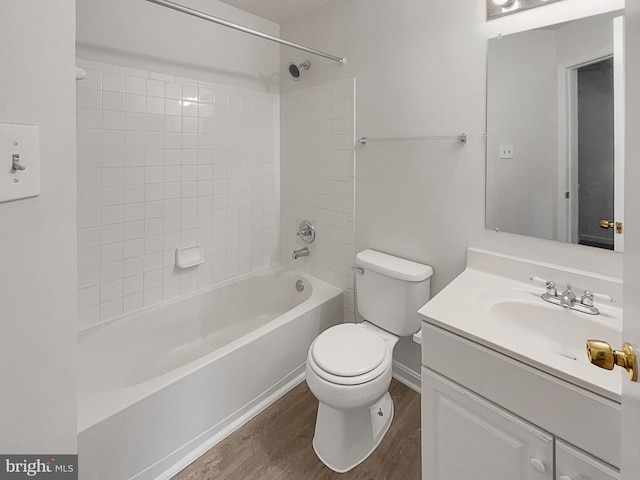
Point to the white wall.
(38, 261)
(420, 68)
(522, 111)
(587, 35)
(150, 37)
(317, 182)
(165, 162)
(178, 136)
(524, 194)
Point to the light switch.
(19, 161)
(506, 151)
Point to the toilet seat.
(348, 354)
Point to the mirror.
(555, 124)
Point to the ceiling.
(278, 11)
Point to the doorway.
(594, 168)
(589, 158)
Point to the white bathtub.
(159, 387)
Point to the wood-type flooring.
(276, 445)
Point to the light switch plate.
(21, 144)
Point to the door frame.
(630, 437)
(567, 82)
(619, 126)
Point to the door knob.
(602, 355)
(611, 224)
(607, 224)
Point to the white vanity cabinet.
(508, 391)
(466, 437)
(486, 416)
(574, 464)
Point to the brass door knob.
(611, 224)
(602, 355)
(607, 224)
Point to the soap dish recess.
(187, 257)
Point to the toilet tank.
(391, 290)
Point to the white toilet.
(349, 365)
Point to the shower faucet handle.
(306, 232)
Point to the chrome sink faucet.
(568, 299)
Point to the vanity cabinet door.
(574, 464)
(465, 437)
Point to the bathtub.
(159, 387)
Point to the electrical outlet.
(506, 151)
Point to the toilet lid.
(348, 350)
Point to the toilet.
(349, 365)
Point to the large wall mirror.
(555, 126)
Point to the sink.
(555, 329)
(489, 335)
(499, 308)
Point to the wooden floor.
(276, 445)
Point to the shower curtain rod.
(219, 21)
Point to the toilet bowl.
(355, 409)
(349, 366)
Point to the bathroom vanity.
(507, 390)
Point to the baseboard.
(190, 452)
(407, 376)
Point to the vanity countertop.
(508, 316)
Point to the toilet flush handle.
(360, 270)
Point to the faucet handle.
(548, 284)
(538, 281)
(601, 297)
(306, 232)
(587, 298)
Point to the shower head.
(296, 70)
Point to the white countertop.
(464, 308)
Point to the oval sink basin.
(509, 317)
(553, 328)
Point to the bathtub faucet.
(303, 252)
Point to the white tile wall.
(317, 181)
(164, 162)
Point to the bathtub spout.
(303, 252)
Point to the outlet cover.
(506, 151)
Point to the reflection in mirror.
(551, 131)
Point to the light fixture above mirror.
(498, 8)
